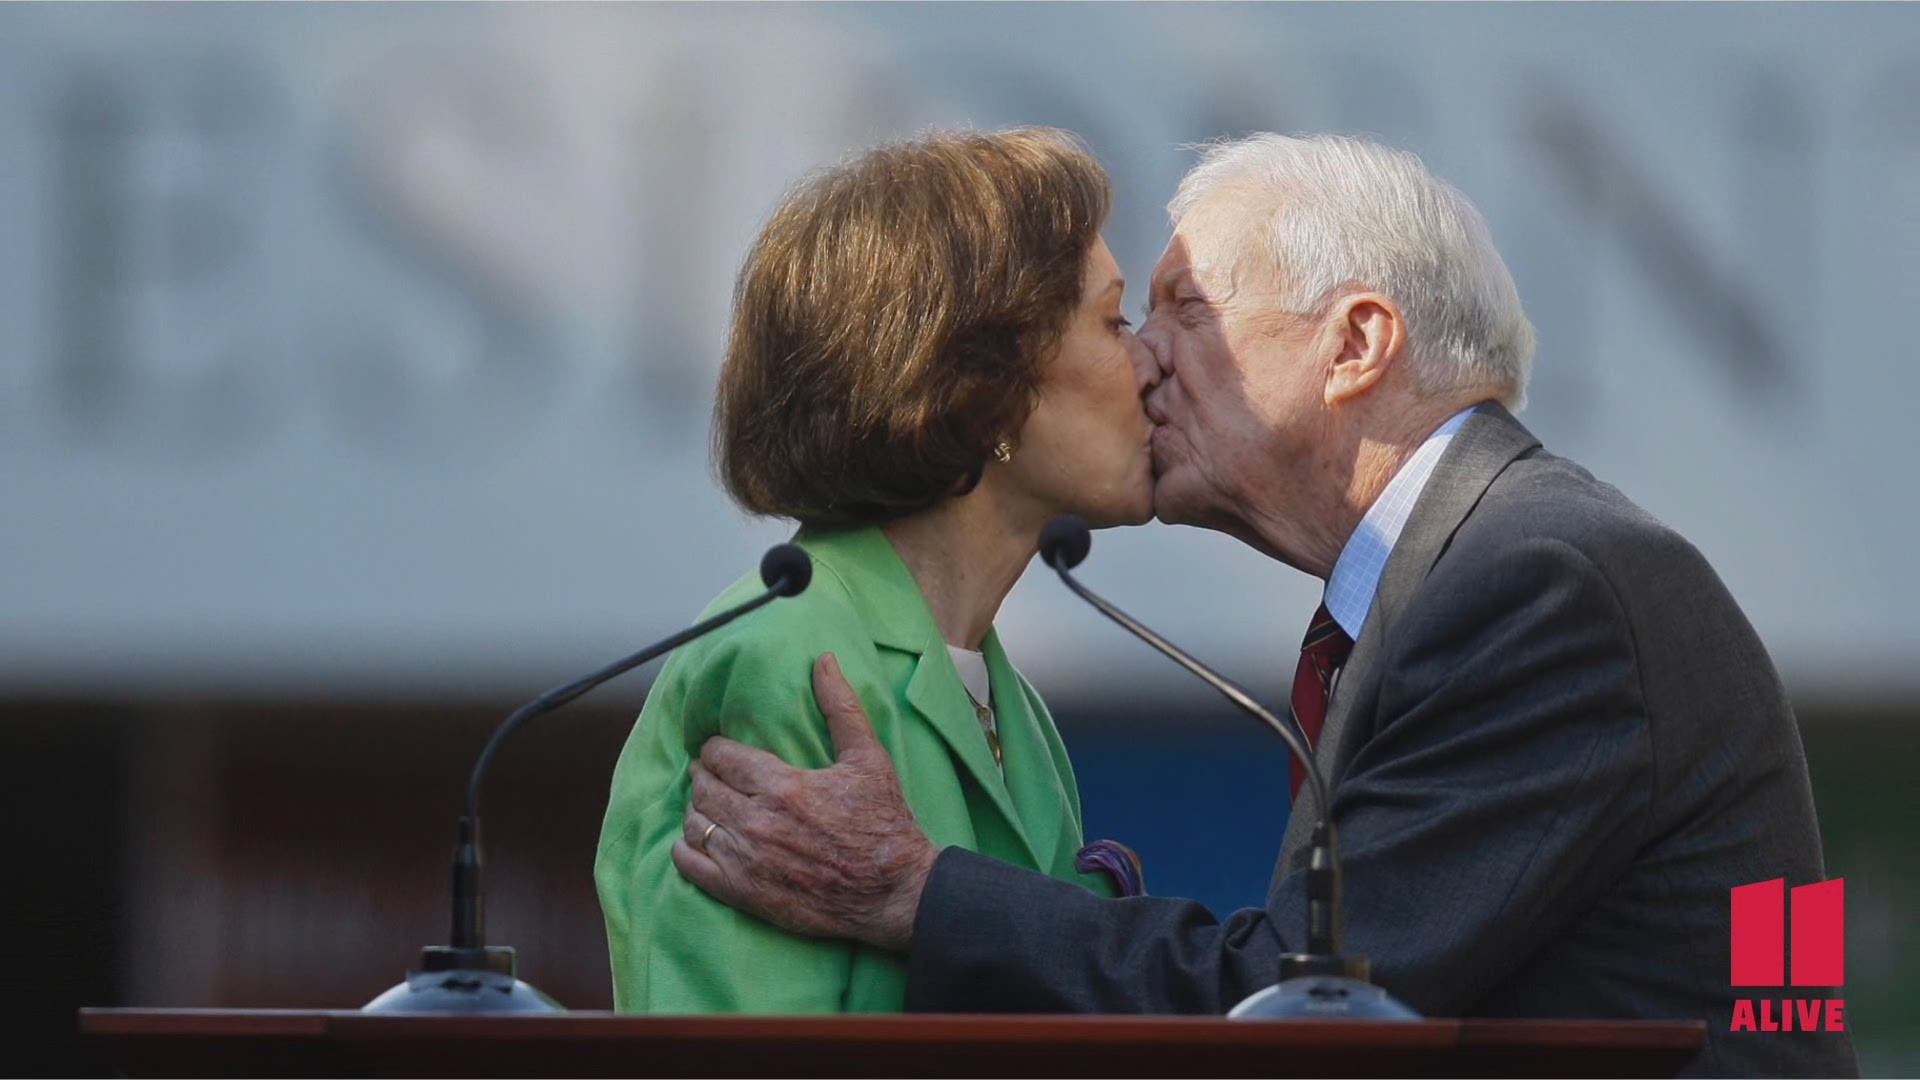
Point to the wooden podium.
(213, 1042)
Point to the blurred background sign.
(370, 351)
(357, 365)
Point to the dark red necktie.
(1322, 652)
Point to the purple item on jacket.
(1120, 863)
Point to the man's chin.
(1171, 506)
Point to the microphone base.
(451, 980)
(1317, 987)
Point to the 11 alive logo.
(1761, 929)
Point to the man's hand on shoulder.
(829, 852)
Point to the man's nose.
(1159, 347)
(1146, 366)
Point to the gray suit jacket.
(1555, 749)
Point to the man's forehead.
(1206, 245)
(1209, 265)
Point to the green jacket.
(675, 949)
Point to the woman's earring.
(1003, 451)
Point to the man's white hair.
(1342, 212)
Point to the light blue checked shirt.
(1356, 575)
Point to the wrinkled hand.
(831, 852)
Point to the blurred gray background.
(357, 363)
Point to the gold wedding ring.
(708, 835)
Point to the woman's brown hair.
(890, 322)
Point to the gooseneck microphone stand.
(468, 975)
(1322, 982)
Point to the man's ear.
(1368, 334)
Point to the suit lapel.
(938, 695)
(1354, 685)
(1033, 781)
(891, 606)
(1485, 445)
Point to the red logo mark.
(1761, 929)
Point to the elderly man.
(1555, 742)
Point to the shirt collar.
(1356, 575)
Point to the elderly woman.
(927, 361)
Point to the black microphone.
(468, 975)
(1320, 983)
